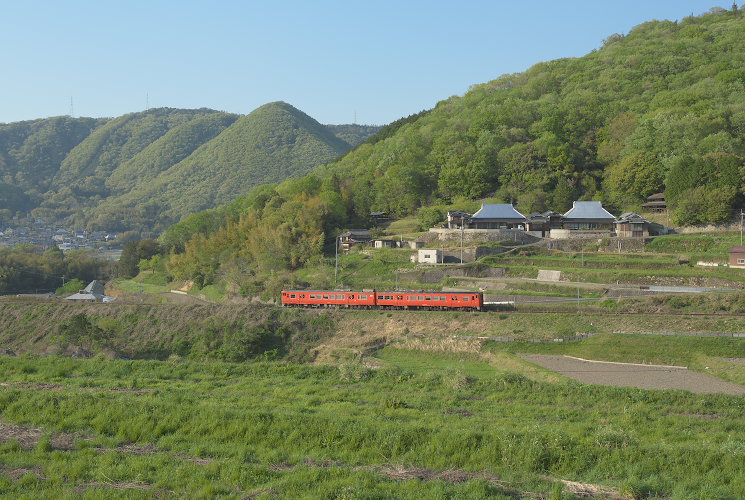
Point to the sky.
(350, 61)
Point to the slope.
(274, 142)
(31, 153)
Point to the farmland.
(442, 426)
(237, 400)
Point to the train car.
(328, 298)
(431, 301)
(434, 301)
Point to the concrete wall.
(568, 234)
(444, 234)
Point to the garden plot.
(634, 375)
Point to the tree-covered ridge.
(353, 134)
(618, 124)
(272, 143)
(31, 153)
(146, 170)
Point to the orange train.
(428, 301)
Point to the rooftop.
(589, 210)
(498, 211)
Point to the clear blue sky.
(381, 59)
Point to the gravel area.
(634, 375)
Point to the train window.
(351, 296)
(362, 297)
(465, 297)
(292, 295)
(428, 298)
(325, 296)
(442, 297)
(302, 295)
(421, 297)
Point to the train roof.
(376, 291)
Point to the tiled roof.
(498, 211)
(589, 210)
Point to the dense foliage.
(27, 269)
(146, 170)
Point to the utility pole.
(461, 237)
(336, 265)
(741, 216)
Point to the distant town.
(38, 232)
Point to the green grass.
(710, 246)
(294, 431)
(135, 285)
(699, 353)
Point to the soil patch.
(634, 375)
(16, 473)
(28, 437)
(57, 387)
(739, 361)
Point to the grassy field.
(422, 426)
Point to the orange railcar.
(464, 301)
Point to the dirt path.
(634, 375)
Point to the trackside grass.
(271, 429)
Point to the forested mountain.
(659, 109)
(662, 108)
(145, 170)
(31, 153)
(272, 143)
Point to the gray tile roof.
(589, 210)
(498, 211)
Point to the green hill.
(274, 142)
(31, 153)
(145, 170)
(661, 108)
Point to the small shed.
(632, 225)
(656, 203)
(737, 257)
(429, 256)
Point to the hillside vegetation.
(662, 108)
(146, 170)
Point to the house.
(456, 218)
(737, 257)
(428, 256)
(91, 293)
(386, 243)
(497, 216)
(588, 215)
(353, 237)
(540, 224)
(632, 225)
(656, 203)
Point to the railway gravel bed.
(634, 375)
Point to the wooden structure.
(656, 203)
(632, 225)
(354, 237)
(543, 222)
(737, 257)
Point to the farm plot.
(634, 375)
